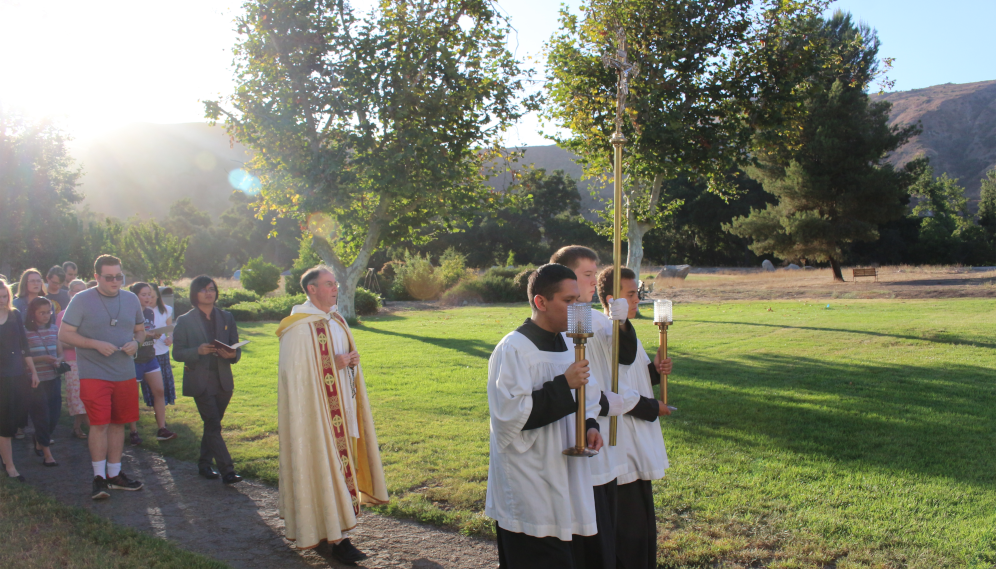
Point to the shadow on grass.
(941, 338)
(476, 348)
(934, 421)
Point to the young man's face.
(54, 283)
(555, 307)
(587, 272)
(629, 290)
(70, 274)
(109, 279)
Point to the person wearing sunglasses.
(106, 325)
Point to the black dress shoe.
(231, 478)
(346, 552)
(207, 472)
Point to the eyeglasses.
(209, 289)
(112, 278)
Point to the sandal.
(78, 433)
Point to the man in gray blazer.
(207, 371)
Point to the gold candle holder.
(663, 318)
(579, 329)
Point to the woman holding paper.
(147, 368)
(206, 340)
(164, 324)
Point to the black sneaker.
(346, 552)
(122, 482)
(207, 472)
(100, 489)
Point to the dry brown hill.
(143, 168)
(959, 129)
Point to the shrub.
(366, 302)
(521, 282)
(270, 308)
(416, 279)
(232, 296)
(467, 291)
(306, 258)
(452, 268)
(507, 272)
(499, 289)
(260, 277)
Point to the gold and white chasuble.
(329, 460)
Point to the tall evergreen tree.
(987, 204)
(832, 183)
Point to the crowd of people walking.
(94, 346)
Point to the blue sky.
(100, 65)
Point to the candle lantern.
(579, 329)
(663, 318)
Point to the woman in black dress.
(17, 377)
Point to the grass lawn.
(856, 436)
(39, 533)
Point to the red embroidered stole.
(336, 418)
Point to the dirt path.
(237, 524)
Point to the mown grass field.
(859, 435)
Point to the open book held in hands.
(223, 346)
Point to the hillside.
(959, 129)
(143, 168)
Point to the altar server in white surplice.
(600, 549)
(541, 500)
(329, 461)
(639, 452)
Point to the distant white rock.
(793, 267)
(674, 272)
(767, 265)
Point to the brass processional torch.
(579, 329)
(624, 69)
(663, 318)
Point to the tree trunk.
(835, 266)
(636, 229)
(349, 276)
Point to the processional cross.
(624, 69)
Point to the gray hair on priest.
(311, 274)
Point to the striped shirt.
(44, 342)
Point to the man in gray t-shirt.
(105, 324)
(111, 319)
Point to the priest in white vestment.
(329, 460)
(541, 499)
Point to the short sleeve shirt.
(109, 319)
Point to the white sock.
(100, 468)
(113, 469)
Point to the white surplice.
(533, 488)
(639, 453)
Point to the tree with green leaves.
(708, 75)
(832, 183)
(38, 188)
(151, 253)
(987, 206)
(370, 129)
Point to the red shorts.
(114, 402)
